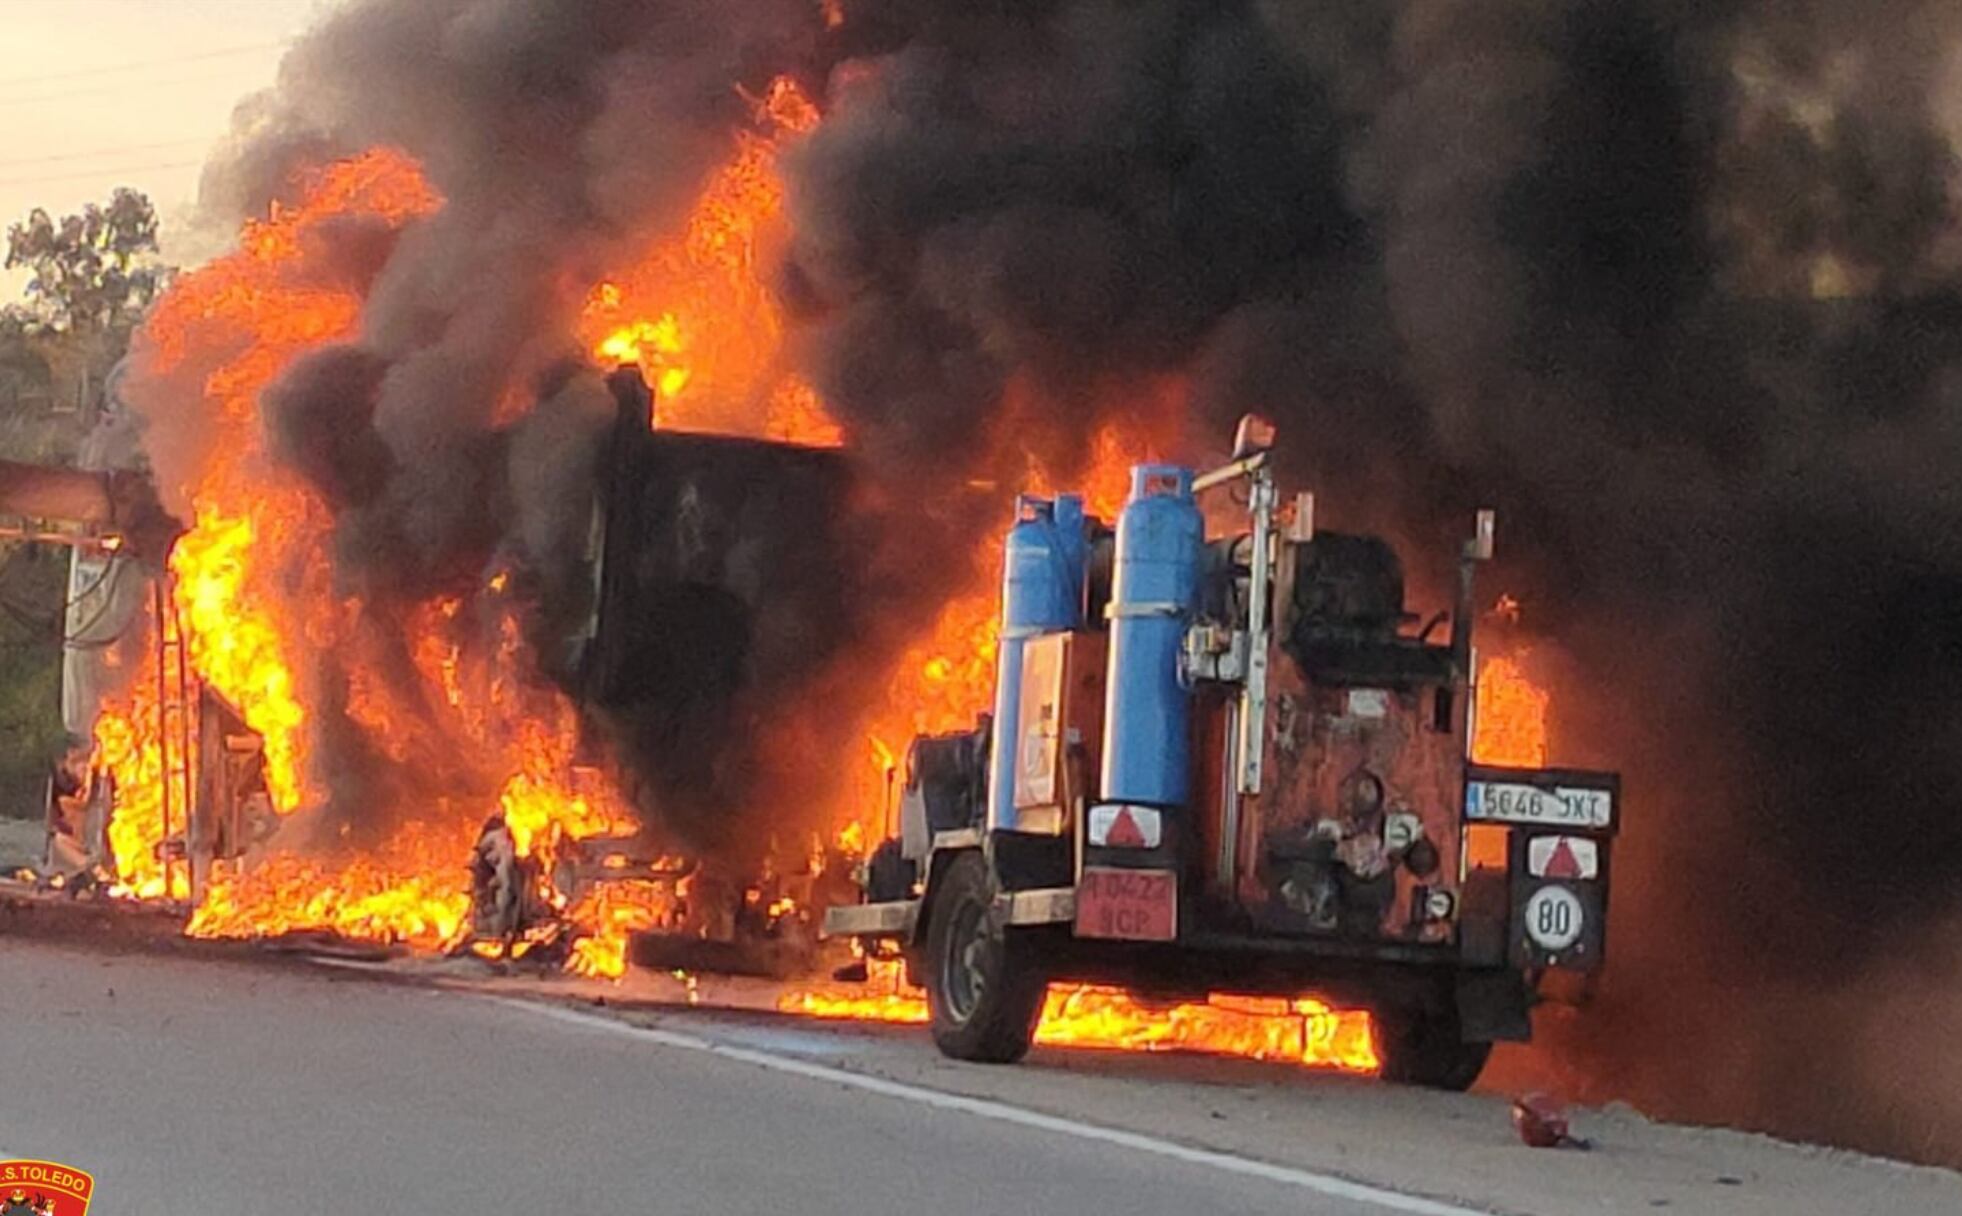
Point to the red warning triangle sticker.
(1562, 863)
(1124, 831)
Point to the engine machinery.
(1229, 762)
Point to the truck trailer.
(1227, 760)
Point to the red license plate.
(1135, 905)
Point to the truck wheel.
(983, 985)
(1426, 1048)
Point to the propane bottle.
(1043, 565)
(1147, 752)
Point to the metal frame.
(174, 729)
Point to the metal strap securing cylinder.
(1116, 611)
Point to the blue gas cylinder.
(1043, 567)
(1160, 535)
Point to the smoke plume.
(1676, 287)
(458, 434)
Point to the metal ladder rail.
(174, 731)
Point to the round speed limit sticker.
(1554, 918)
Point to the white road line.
(985, 1108)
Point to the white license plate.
(1560, 806)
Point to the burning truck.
(1227, 759)
(607, 675)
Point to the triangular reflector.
(1562, 863)
(1124, 832)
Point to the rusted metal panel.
(84, 507)
(1357, 830)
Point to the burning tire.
(983, 985)
(1425, 1047)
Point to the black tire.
(983, 985)
(1426, 1048)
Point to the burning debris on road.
(1675, 287)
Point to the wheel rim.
(964, 975)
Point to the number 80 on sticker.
(1555, 918)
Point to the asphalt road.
(208, 1089)
(213, 1086)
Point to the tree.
(33, 594)
(91, 276)
(92, 273)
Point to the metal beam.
(894, 919)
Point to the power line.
(100, 152)
(114, 87)
(90, 173)
(199, 57)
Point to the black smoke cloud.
(560, 138)
(1673, 285)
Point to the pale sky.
(96, 94)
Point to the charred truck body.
(1222, 764)
(698, 583)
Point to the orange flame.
(694, 312)
(1301, 1030)
(128, 747)
(1511, 715)
(411, 892)
(228, 328)
(610, 914)
(1509, 728)
(1509, 712)
(252, 588)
